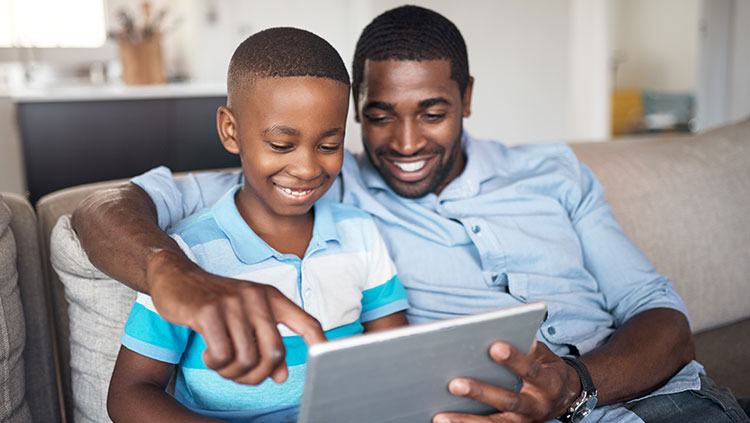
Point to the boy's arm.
(118, 229)
(136, 392)
(386, 322)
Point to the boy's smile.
(289, 133)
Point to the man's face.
(289, 133)
(411, 114)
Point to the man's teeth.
(410, 166)
(295, 193)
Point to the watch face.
(583, 410)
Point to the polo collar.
(249, 247)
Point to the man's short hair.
(411, 33)
(283, 52)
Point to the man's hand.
(549, 387)
(236, 318)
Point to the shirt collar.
(476, 171)
(249, 247)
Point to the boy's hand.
(236, 318)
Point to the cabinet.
(72, 142)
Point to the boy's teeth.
(410, 166)
(295, 193)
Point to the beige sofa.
(684, 200)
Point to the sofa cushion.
(98, 308)
(13, 407)
(684, 201)
(724, 353)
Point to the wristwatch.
(586, 402)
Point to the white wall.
(519, 53)
(658, 43)
(739, 81)
(12, 178)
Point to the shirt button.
(308, 293)
(476, 229)
(551, 330)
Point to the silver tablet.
(402, 375)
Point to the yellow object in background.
(627, 111)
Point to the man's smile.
(413, 169)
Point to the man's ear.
(466, 100)
(355, 100)
(226, 126)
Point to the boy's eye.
(330, 148)
(280, 146)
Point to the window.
(52, 23)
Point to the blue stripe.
(208, 390)
(147, 326)
(398, 305)
(150, 350)
(381, 295)
(296, 349)
(200, 231)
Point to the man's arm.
(630, 364)
(118, 229)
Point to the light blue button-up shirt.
(519, 224)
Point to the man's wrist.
(164, 261)
(586, 399)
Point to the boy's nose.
(305, 166)
(407, 139)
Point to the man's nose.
(407, 139)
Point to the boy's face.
(289, 133)
(411, 114)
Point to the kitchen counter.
(108, 92)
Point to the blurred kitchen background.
(100, 89)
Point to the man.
(472, 226)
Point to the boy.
(285, 116)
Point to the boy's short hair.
(283, 52)
(411, 33)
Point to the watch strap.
(586, 401)
(587, 384)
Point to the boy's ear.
(226, 126)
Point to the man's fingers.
(296, 319)
(498, 398)
(521, 364)
(270, 347)
(245, 355)
(219, 350)
(470, 418)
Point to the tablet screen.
(402, 375)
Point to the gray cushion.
(13, 407)
(98, 308)
(42, 392)
(684, 201)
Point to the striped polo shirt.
(345, 278)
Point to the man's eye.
(434, 117)
(375, 119)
